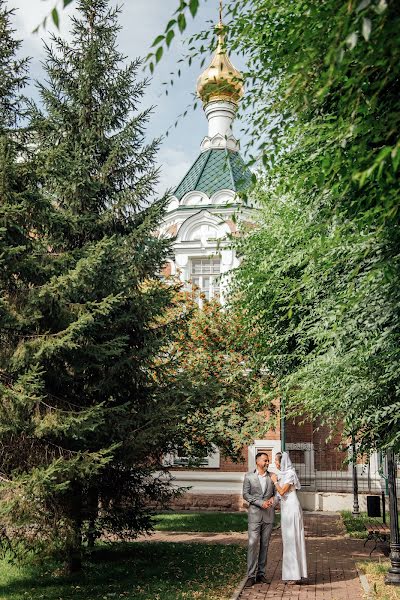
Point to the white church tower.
(205, 209)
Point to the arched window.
(205, 275)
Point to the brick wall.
(297, 431)
(209, 502)
(226, 464)
(328, 455)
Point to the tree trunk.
(73, 562)
(93, 509)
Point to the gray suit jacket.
(253, 494)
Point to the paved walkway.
(331, 565)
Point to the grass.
(375, 573)
(355, 526)
(201, 521)
(207, 522)
(136, 571)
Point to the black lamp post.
(393, 575)
(356, 506)
(283, 424)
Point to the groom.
(259, 492)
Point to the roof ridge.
(204, 166)
(230, 170)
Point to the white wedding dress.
(294, 562)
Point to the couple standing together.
(263, 491)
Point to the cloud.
(174, 164)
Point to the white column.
(220, 115)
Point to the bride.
(294, 562)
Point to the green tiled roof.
(215, 170)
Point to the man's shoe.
(261, 579)
(250, 582)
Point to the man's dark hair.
(260, 454)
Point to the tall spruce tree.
(83, 423)
(18, 190)
(24, 219)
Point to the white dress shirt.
(263, 481)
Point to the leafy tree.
(320, 278)
(325, 316)
(209, 364)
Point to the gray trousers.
(259, 535)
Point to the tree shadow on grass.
(137, 570)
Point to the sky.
(142, 21)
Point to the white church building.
(205, 209)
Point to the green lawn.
(355, 526)
(216, 522)
(136, 571)
(201, 521)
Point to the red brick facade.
(328, 456)
(210, 502)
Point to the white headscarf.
(288, 473)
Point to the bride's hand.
(274, 477)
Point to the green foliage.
(324, 303)
(13, 73)
(209, 363)
(319, 279)
(355, 526)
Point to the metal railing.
(329, 469)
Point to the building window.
(212, 461)
(205, 275)
(271, 447)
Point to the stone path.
(331, 565)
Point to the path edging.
(364, 582)
(239, 589)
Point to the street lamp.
(356, 506)
(393, 575)
(283, 425)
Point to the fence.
(330, 469)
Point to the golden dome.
(221, 80)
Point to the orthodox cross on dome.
(220, 80)
(220, 87)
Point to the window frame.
(197, 277)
